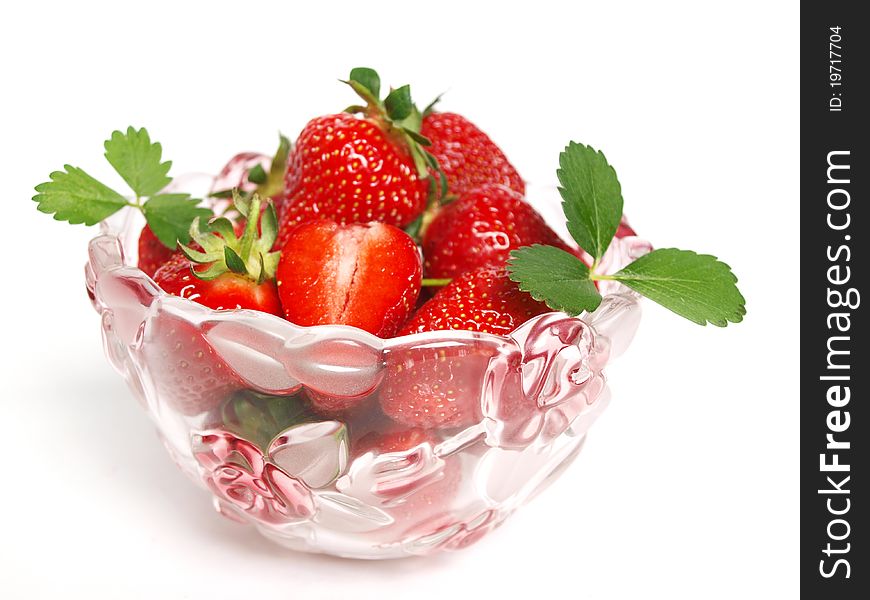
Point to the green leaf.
(592, 198)
(74, 196)
(369, 78)
(170, 216)
(257, 174)
(137, 161)
(554, 276)
(398, 103)
(695, 286)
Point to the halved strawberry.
(481, 228)
(367, 276)
(466, 154)
(240, 270)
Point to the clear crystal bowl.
(228, 392)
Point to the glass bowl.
(229, 393)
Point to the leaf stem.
(136, 203)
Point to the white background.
(687, 487)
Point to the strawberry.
(481, 228)
(624, 229)
(466, 155)
(240, 270)
(152, 253)
(367, 276)
(192, 378)
(354, 169)
(335, 406)
(433, 386)
(397, 440)
(483, 300)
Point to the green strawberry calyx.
(399, 117)
(249, 256)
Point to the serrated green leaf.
(554, 276)
(398, 103)
(170, 216)
(369, 78)
(74, 196)
(592, 197)
(137, 161)
(695, 286)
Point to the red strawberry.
(367, 276)
(393, 441)
(152, 253)
(433, 386)
(240, 271)
(358, 169)
(480, 229)
(189, 376)
(229, 291)
(482, 300)
(624, 229)
(466, 154)
(349, 170)
(334, 406)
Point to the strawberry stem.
(429, 282)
